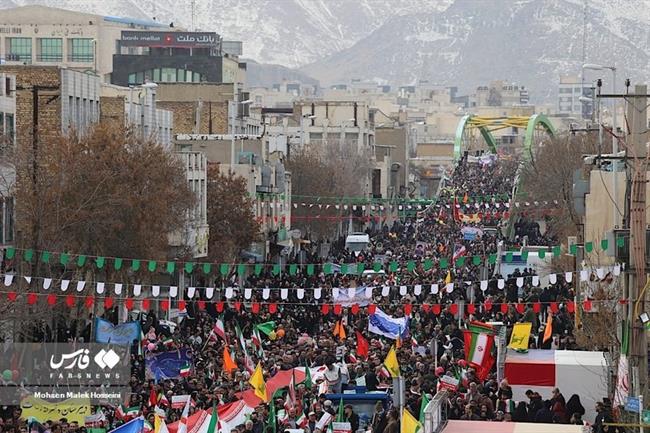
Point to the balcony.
(81, 58)
(46, 58)
(18, 58)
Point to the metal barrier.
(435, 414)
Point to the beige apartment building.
(44, 36)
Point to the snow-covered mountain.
(459, 42)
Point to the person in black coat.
(544, 415)
(574, 406)
(351, 417)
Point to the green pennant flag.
(460, 262)
(604, 244)
(361, 267)
(11, 253)
(444, 263)
(258, 268)
(152, 265)
(492, 259)
(293, 268)
(266, 327)
(99, 262)
(327, 268)
(45, 257)
(620, 242)
(171, 266)
(376, 266)
(428, 264)
(135, 265)
(410, 266)
(524, 255)
(541, 253)
(340, 417)
(188, 267)
(117, 263)
(393, 266)
(344, 269)
(81, 260)
(509, 257)
(64, 258)
(241, 269)
(589, 247)
(224, 268)
(310, 269)
(275, 271)
(29, 255)
(573, 249)
(476, 260)
(557, 250)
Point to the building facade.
(7, 110)
(570, 91)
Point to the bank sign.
(100, 372)
(169, 39)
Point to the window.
(82, 50)
(50, 49)
(181, 75)
(20, 50)
(168, 75)
(156, 75)
(9, 129)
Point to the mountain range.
(452, 42)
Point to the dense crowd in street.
(303, 335)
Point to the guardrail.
(435, 414)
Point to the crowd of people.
(304, 337)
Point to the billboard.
(169, 39)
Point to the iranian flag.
(479, 339)
(185, 370)
(219, 330)
(179, 401)
(127, 413)
(302, 421)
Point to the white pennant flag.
(552, 278)
(8, 280)
(317, 293)
(501, 283)
(402, 290)
(28, 279)
(335, 292)
(229, 292)
(434, 289)
(284, 293)
(99, 287)
(190, 292)
(449, 287)
(118, 288)
(617, 269)
(248, 293)
(535, 280)
(80, 285)
(484, 285)
(173, 291)
(584, 275)
(266, 293)
(369, 292)
(385, 290)
(209, 292)
(300, 293)
(417, 289)
(520, 281)
(137, 289)
(47, 283)
(155, 290)
(568, 277)
(600, 273)
(64, 285)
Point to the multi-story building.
(7, 171)
(501, 94)
(570, 91)
(45, 36)
(172, 57)
(7, 109)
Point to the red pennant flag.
(51, 299)
(255, 307)
(407, 309)
(146, 304)
(90, 300)
(453, 309)
(181, 305)
(128, 303)
(537, 307)
(325, 309)
(554, 308)
(164, 304)
(32, 298)
(337, 309)
(372, 308)
(273, 308)
(237, 306)
(219, 307)
(471, 308)
(70, 301)
(504, 308)
(201, 305)
(586, 305)
(521, 308)
(436, 309)
(488, 305)
(363, 347)
(571, 306)
(12, 296)
(355, 309)
(426, 308)
(108, 303)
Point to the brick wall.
(49, 102)
(111, 109)
(185, 116)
